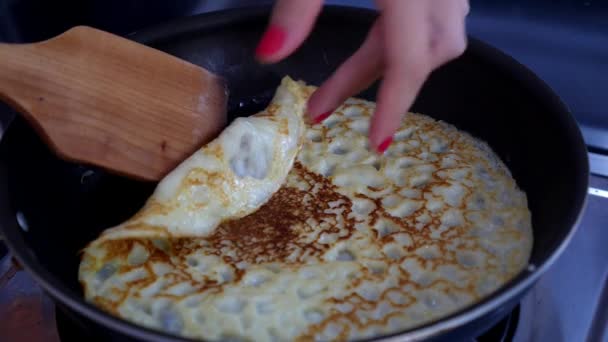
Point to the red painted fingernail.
(322, 117)
(271, 41)
(385, 144)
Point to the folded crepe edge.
(290, 97)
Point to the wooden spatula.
(101, 99)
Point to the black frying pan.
(484, 92)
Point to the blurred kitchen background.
(564, 41)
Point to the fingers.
(419, 36)
(409, 40)
(407, 61)
(354, 75)
(290, 24)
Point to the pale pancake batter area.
(351, 245)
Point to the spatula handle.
(100, 99)
(33, 82)
(19, 77)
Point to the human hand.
(409, 40)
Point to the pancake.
(352, 245)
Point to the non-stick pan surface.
(49, 209)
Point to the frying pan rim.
(501, 296)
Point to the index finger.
(407, 65)
(290, 23)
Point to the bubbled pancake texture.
(352, 245)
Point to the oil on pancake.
(349, 244)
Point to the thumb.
(290, 24)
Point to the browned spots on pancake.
(120, 249)
(117, 249)
(308, 90)
(151, 208)
(213, 180)
(284, 127)
(106, 304)
(273, 232)
(200, 176)
(140, 226)
(215, 150)
(358, 303)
